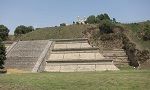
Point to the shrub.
(142, 56)
(63, 24)
(23, 30)
(2, 54)
(146, 36)
(4, 32)
(106, 26)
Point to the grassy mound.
(75, 31)
(133, 31)
(71, 31)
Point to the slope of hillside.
(133, 31)
(71, 31)
(75, 31)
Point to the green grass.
(133, 33)
(108, 80)
(66, 32)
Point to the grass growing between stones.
(108, 80)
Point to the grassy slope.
(75, 31)
(117, 80)
(133, 29)
(72, 31)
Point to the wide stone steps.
(77, 56)
(24, 55)
(118, 55)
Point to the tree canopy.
(63, 24)
(106, 26)
(23, 30)
(4, 32)
(97, 19)
(91, 19)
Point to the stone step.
(79, 61)
(69, 40)
(77, 51)
(77, 56)
(79, 67)
(113, 51)
(71, 45)
(74, 49)
(74, 42)
(114, 55)
(25, 54)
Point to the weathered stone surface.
(71, 56)
(24, 55)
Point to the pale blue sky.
(45, 13)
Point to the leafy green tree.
(2, 54)
(91, 19)
(4, 32)
(106, 16)
(23, 30)
(101, 17)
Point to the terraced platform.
(62, 55)
(28, 55)
(118, 55)
(76, 56)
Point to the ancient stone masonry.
(118, 55)
(24, 55)
(77, 55)
(59, 55)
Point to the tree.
(2, 54)
(106, 26)
(106, 17)
(23, 30)
(63, 24)
(101, 17)
(4, 32)
(91, 19)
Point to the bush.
(2, 54)
(4, 32)
(146, 30)
(146, 36)
(63, 24)
(23, 30)
(106, 26)
(142, 56)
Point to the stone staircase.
(118, 55)
(77, 55)
(27, 55)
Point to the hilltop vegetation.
(136, 33)
(62, 32)
(76, 31)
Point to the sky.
(47, 13)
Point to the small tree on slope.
(2, 54)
